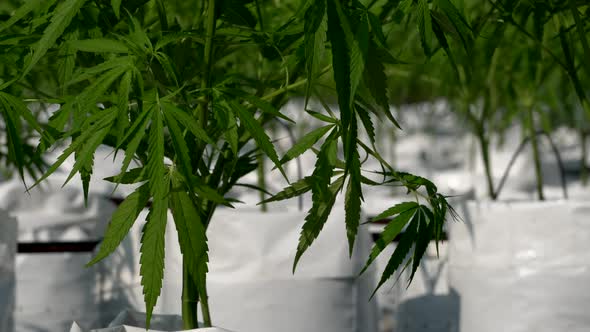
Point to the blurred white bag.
(8, 235)
(50, 213)
(130, 321)
(522, 266)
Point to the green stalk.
(190, 299)
(584, 171)
(262, 180)
(190, 308)
(536, 156)
(484, 145)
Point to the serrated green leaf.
(376, 82)
(359, 47)
(90, 73)
(352, 208)
(340, 63)
(305, 143)
(99, 45)
(190, 229)
(258, 133)
(403, 211)
(322, 117)
(123, 105)
(400, 253)
(180, 147)
(168, 66)
(131, 176)
(295, 189)
(187, 121)
(315, 29)
(423, 237)
(264, 106)
(121, 222)
(152, 241)
(116, 4)
(367, 123)
(459, 22)
(21, 12)
(136, 133)
(425, 26)
(353, 197)
(377, 28)
(104, 119)
(315, 220)
(62, 16)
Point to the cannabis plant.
(188, 90)
(518, 59)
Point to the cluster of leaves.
(167, 84)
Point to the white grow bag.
(129, 321)
(250, 282)
(522, 266)
(50, 213)
(8, 235)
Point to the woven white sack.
(522, 266)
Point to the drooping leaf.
(340, 63)
(376, 82)
(425, 26)
(187, 121)
(121, 222)
(400, 252)
(152, 240)
(424, 235)
(403, 212)
(315, 28)
(102, 119)
(190, 229)
(99, 45)
(180, 147)
(123, 106)
(62, 16)
(295, 189)
(354, 196)
(21, 12)
(258, 133)
(131, 176)
(116, 4)
(316, 219)
(136, 133)
(264, 106)
(305, 143)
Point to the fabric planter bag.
(8, 235)
(50, 213)
(130, 321)
(250, 282)
(521, 266)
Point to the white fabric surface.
(522, 266)
(131, 321)
(47, 213)
(8, 234)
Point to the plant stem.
(484, 145)
(190, 308)
(584, 167)
(190, 298)
(262, 180)
(536, 156)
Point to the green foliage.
(168, 84)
